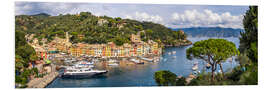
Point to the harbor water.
(143, 75)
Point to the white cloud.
(51, 8)
(175, 16)
(143, 16)
(22, 8)
(128, 17)
(170, 17)
(206, 18)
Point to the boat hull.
(81, 75)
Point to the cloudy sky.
(174, 16)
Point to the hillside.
(88, 28)
(211, 32)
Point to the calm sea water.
(142, 75)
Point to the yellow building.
(108, 51)
(87, 50)
(154, 47)
(121, 49)
(137, 48)
(135, 38)
(74, 51)
(92, 51)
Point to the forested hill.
(211, 31)
(95, 29)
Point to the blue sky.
(174, 16)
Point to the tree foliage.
(165, 78)
(249, 47)
(24, 54)
(181, 81)
(212, 51)
(249, 38)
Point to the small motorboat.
(174, 52)
(84, 64)
(174, 57)
(113, 62)
(140, 63)
(195, 67)
(136, 61)
(208, 66)
(165, 59)
(230, 60)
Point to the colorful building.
(136, 48)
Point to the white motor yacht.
(81, 72)
(195, 66)
(174, 52)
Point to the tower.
(67, 37)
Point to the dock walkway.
(42, 82)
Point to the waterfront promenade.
(44, 81)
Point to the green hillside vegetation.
(95, 29)
(24, 54)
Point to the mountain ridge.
(210, 31)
